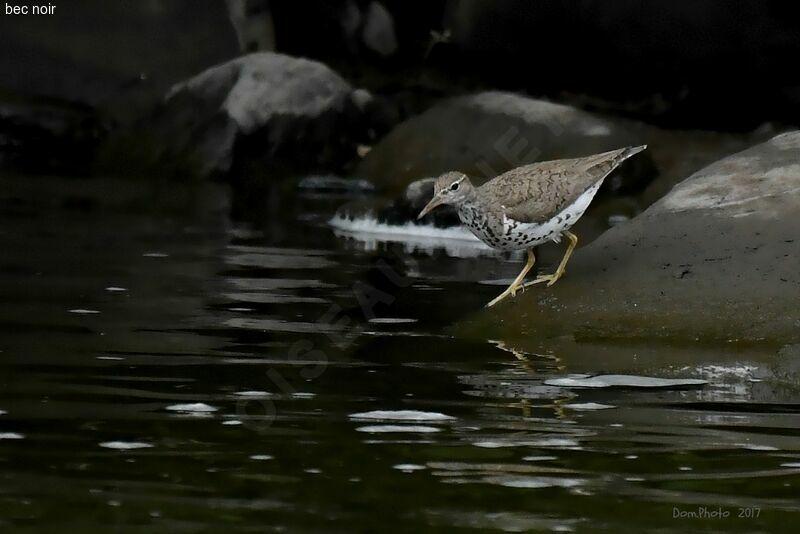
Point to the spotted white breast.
(521, 236)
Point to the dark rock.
(118, 57)
(715, 259)
(260, 111)
(687, 64)
(253, 22)
(378, 33)
(49, 136)
(684, 65)
(345, 30)
(486, 134)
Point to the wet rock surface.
(711, 260)
(679, 153)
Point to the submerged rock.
(714, 259)
(262, 109)
(335, 184)
(486, 134)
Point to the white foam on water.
(11, 435)
(534, 482)
(197, 407)
(371, 225)
(791, 464)
(457, 241)
(262, 457)
(588, 406)
(409, 468)
(82, 311)
(494, 444)
(125, 445)
(607, 381)
(402, 415)
(756, 447)
(155, 255)
(232, 422)
(555, 442)
(114, 289)
(254, 394)
(3, 412)
(539, 458)
(392, 320)
(379, 429)
(542, 442)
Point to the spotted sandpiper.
(528, 206)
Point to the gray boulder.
(488, 133)
(262, 109)
(715, 259)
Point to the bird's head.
(450, 188)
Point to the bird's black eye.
(454, 187)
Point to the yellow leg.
(517, 283)
(553, 278)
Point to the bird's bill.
(435, 201)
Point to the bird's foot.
(498, 298)
(511, 291)
(549, 278)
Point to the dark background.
(68, 80)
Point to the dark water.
(165, 370)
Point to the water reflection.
(233, 375)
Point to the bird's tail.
(629, 151)
(599, 166)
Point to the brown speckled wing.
(536, 193)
